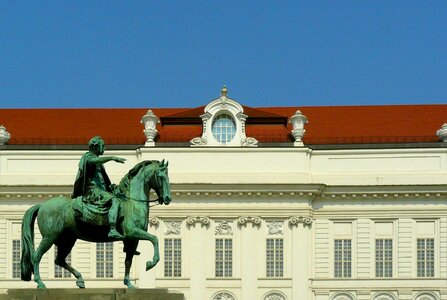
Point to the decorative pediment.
(224, 124)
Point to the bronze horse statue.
(59, 225)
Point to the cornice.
(292, 192)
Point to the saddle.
(89, 212)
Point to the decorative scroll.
(223, 228)
(173, 227)
(255, 221)
(300, 219)
(275, 227)
(154, 221)
(204, 221)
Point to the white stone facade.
(306, 198)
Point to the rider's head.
(96, 145)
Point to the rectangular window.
(173, 257)
(224, 257)
(342, 258)
(16, 258)
(275, 257)
(60, 272)
(384, 258)
(104, 260)
(426, 257)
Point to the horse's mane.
(125, 182)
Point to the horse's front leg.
(140, 234)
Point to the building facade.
(352, 205)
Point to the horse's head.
(159, 181)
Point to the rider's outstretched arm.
(103, 159)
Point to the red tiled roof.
(327, 124)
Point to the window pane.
(224, 258)
(104, 260)
(275, 257)
(384, 257)
(425, 257)
(173, 258)
(223, 128)
(16, 258)
(342, 258)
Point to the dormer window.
(224, 128)
(223, 124)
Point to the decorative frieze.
(223, 228)
(203, 221)
(173, 227)
(275, 227)
(255, 221)
(294, 221)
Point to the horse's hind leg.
(130, 246)
(63, 249)
(44, 246)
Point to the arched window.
(224, 296)
(224, 128)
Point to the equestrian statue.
(98, 211)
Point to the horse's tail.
(26, 265)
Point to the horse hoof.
(41, 286)
(128, 284)
(149, 265)
(80, 284)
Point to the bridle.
(156, 188)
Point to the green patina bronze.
(98, 212)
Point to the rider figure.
(93, 183)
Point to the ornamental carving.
(154, 221)
(255, 221)
(274, 296)
(275, 227)
(173, 227)
(223, 228)
(294, 221)
(224, 296)
(203, 221)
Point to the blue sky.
(179, 53)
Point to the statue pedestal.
(91, 294)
